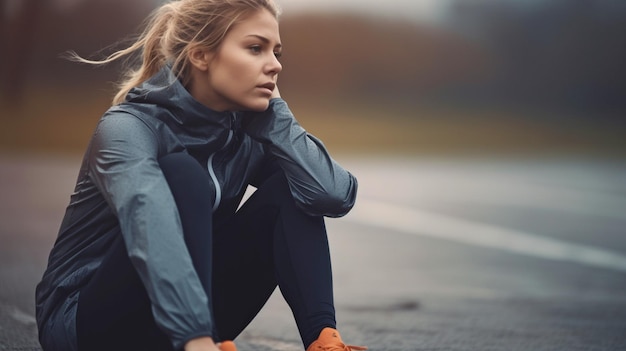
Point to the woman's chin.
(259, 106)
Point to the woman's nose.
(274, 66)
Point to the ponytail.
(153, 56)
(172, 30)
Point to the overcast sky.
(428, 10)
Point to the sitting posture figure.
(154, 252)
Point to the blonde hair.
(174, 29)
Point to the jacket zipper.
(218, 188)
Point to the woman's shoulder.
(137, 126)
(130, 112)
(120, 122)
(128, 118)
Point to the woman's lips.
(268, 87)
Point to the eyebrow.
(264, 39)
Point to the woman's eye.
(255, 49)
(278, 54)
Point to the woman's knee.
(276, 189)
(189, 182)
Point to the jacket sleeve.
(319, 185)
(123, 164)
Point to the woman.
(152, 253)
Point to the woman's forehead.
(262, 24)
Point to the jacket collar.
(165, 90)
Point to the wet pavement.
(438, 254)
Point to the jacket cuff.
(180, 345)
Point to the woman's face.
(242, 73)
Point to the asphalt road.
(438, 254)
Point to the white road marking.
(417, 222)
(18, 315)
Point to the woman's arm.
(123, 164)
(319, 185)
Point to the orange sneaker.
(330, 340)
(227, 346)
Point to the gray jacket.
(120, 188)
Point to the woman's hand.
(275, 93)
(201, 344)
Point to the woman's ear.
(200, 58)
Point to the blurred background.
(488, 137)
(416, 77)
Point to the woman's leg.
(114, 311)
(194, 195)
(269, 241)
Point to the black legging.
(240, 261)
